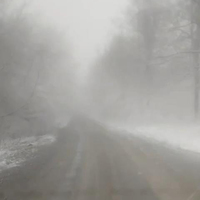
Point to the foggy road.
(92, 163)
(100, 100)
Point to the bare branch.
(184, 32)
(178, 53)
(181, 26)
(28, 100)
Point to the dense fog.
(147, 72)
(37, 73)
(99, 99)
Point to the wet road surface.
(92, 163)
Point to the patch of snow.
(13, 152)
(185, 136)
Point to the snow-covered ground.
(182, 136)
(15, 152)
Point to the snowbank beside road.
(15, 152)
(185, 137)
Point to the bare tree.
(195, 46)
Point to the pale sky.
(88, 23)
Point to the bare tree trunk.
(149, 69)
(195, 46)
(196, 89)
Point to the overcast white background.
(89, 24)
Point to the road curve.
(89, 162)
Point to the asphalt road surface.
(89, 162)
